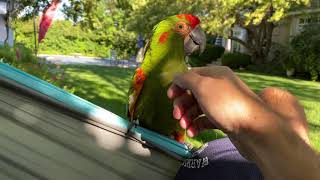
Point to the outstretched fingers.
(185, 107)
(182, 103)
(192, 113)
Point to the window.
(315, 3)
(236, 46)
(303, 21)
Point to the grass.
(107, 87)
(308, 93)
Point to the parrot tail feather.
(178, 137)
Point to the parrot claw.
(132, 124)
(189, 145)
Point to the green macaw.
(173, 38)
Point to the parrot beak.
(195, 42)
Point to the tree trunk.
(8, 18)
(7, 23)
(259, 41)
(269, 33)
(35, 35)
(6, 40)
(259, 38)
(258, 57)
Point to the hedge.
(236, 60)
(211, 53)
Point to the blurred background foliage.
(99, 26)
(62, 38)
(23, 58)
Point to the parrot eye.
(182, 28)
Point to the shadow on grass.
(107, 87)
(104, 86)
(314, 127)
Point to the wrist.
(276, 148)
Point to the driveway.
(82, 60)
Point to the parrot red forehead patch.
(193, 20)
(163, 37)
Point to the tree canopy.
(114, 21)
(257, 17)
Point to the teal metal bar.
(91, 110)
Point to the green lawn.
(107, 87)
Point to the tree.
(73, 11)
(8, 18)
(25, 9)
(30, 8)
(107, 19)
(258, 17)
(146, 14)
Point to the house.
(234, 46)
(4, 7)
(287, 28)
(295, 21)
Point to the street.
(82, 60)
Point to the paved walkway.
(62, 59)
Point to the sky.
(59, 15)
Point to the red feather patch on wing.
(163, 38)
(138, 80)
(193, 20)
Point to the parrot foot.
(189, 145)
(132, 124)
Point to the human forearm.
(258, 125)
(278, 151)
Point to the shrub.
(236, 60)
(23, 59)
(6, 54)
(211, 53)
(271, 68)
(65, 38)
(305, 52)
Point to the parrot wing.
(137, 82)
(134, 92)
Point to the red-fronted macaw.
(173, 38)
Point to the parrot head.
(185, 27)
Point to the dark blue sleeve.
(218, 159)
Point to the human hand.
(269, 129)
(218, 93)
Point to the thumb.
(187, 81)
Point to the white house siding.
(3, 31)
(293, 24)
(3, 7)
(281, 33)
(234, 46)
(242, 34)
